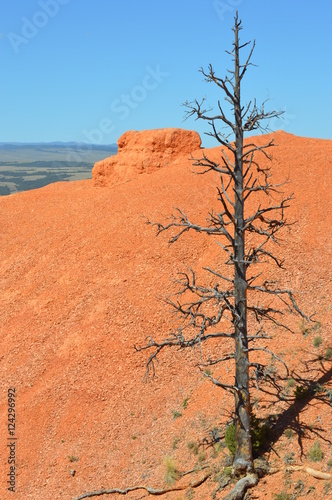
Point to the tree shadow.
(308, 392)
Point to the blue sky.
(88, 70)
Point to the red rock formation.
(145, 152)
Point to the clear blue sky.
(88, 70)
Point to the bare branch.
(245, 66)
(260, 213)
(254, 148)
(226, 387)
(212, 165)
(222, 83)
(272, 354)
(148, 489)
(185, 225)
(257, 115)
(177, 340)
(211, 362)
(221, 276)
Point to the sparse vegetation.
(217, 448)
(304, 328)
(289, 458)
(290, 382)
(316, 453)
(317, 326)
(190, 494)
(227, 471)
(259, 429)
(185, 403)
(176, 414)
(327, 489)
(175, 443)
(230, 438)
(318, 388)
(318, 341)
(72, 458)
(289, 433)
(328, 353)
(301, 392)
(283, 496)
(172, 473)
(215, 434)
(193, 447)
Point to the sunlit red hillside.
(81, 278)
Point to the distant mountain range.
(68, 144)
(19, 152)
(25, 166)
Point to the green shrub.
(301, 392)
(228, 471)
(72, 458)
(290, 382)
(318, 341)
(259, 430)
(316, 453)
(328, 353)
(230, 438)
(318, 388)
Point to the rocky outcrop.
(145, 152)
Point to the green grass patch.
(318, 341)
(316, 453)
(172, 473)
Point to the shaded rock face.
(145, 152)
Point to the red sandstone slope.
(80, 273)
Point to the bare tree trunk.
(240, 177)
(243, 461)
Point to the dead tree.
(221, 311)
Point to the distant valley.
(25, 166)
